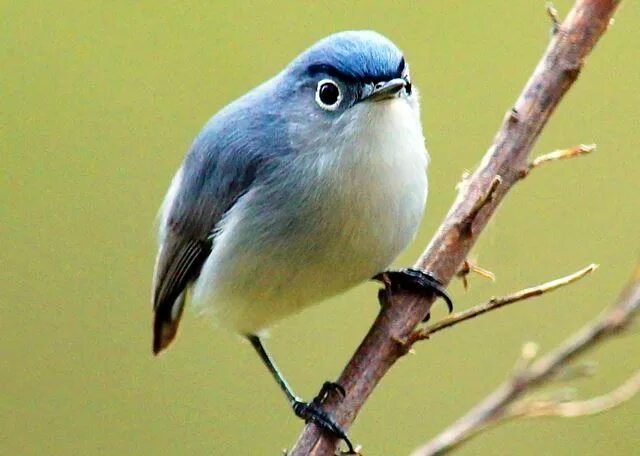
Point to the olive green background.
(100, 100)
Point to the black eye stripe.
(401, 66)
(334, 72)
(408, 87)
(330, 70)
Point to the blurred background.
(100, 101)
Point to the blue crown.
(353, 56)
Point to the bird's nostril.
(379, 85)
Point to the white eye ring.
(331, 93)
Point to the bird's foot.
(415, 280)
(314, 413)
(328, 388)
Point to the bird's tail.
(165, 324)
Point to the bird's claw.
(328, 388)
(314, 413)
(414, 280)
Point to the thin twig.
(507, 157)
(498, 302)
(495, 407)
(572, 409)
(575, 371)
(561, 154)
(552, 12)
(468, 267)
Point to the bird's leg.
(415, 280)
(308, 411)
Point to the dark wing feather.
(222, 164)
(179, 263)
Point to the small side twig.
(552, 12)
(498, 302)
(496, 407)
(468, 267)
(560, 154)
(571, 409)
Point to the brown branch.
(506, 160)
(495, 407)
(498, 302)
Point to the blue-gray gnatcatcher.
(306, 186)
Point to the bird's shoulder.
(235, 148)
(230, 154)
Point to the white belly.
(354, 210)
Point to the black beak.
(386, 90)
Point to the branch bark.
(497, 406)
(502, 166)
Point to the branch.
(496, 406)
(498, 302)
(503, 165)
(573, 409)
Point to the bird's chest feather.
(372, 186)
(347, 214)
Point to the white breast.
(352, 208)
(381, 183)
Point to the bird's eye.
(328, 95)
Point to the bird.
(306, 186)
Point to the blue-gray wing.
(222, 164)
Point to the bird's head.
(349, 68)
(348, 86)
